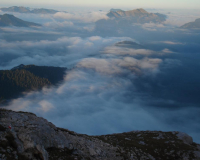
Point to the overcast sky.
(185, 4)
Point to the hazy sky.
(189, 4)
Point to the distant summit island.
(129, 44)
(10, 20)
(192, 25)
(22, 9)
(120, 21)
(137, 15)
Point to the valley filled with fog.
(122, 75)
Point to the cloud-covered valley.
(116, 81)
(64, 51)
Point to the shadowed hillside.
(26, 78)
(192, 25)
(10, 20)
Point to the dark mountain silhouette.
(26, 78)
(28, 10)
(10, 20)
(53, 74)
(192, 25)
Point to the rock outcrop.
(26, 136)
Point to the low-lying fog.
(151, 81)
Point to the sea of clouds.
(109, 88)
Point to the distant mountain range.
(26, 78)
(125, 21)
(10, 20)
(137, 15)
(192, 25)
(28, 10)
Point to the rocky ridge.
(24, 136)
(192, 25)
(10, 20)
(137, 15)
(22, 9)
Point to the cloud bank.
(64, 51)
(84, 17)
(109, 88)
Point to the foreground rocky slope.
(25, 136)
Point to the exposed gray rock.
(185, 138)
(34, 135)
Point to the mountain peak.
(139, 15)
(140, 10)
(192, 25)
(8, 15)
(18, 67)
(11, 20)
(131, 13)
(22, 9)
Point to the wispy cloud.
(168, 42)
(85, 17)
